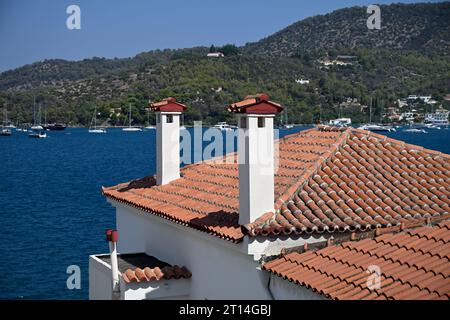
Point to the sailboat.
(37, 131)
(375, 127)
(36, 122)
(95, 129)
(149, 127)
(130, 128)
(5, 132)
(286, 124)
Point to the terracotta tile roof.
(366, 181)
(251, 102)
(413, 264)
(140, 267)
(328, 180)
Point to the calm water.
(52, 214)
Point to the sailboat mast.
(39, 113)
(370, 111)
(286, 118)
(5, 115)
(130, 117)
(34, 110)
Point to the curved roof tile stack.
(328, 180)
(155, 274)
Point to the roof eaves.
(106, 192)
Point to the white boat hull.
(97, 131)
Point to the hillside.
(422, 27)
(408, 55)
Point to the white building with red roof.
(215, 229)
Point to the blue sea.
(52, 213)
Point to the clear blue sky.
(32, 30)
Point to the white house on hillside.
(237, 229)
(215, 55)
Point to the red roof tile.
(256, 104)
(140, 267)
(413, 264)
(168, 105)
(155, 274)
(328, 180)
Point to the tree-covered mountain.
(422, 27)
(408, 55)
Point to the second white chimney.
(256, 154)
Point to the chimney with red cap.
(255, 115)
(168, 113)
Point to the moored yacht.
(223, 126)
(377, 128)
(40, 134)
(415, 130)
(5, 132)
(340, 122)
(55, 127)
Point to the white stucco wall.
(100, 287)
(220, 269)
(156, 290)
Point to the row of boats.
(39, 131)
(412, 128)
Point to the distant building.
(341, 60)
(402, 103)
(302, 81)
(408, 116)
(438, 117)
(426, 99)
(215, 55)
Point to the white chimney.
(168, 114)
(256, 161)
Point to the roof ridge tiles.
(297, 186)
